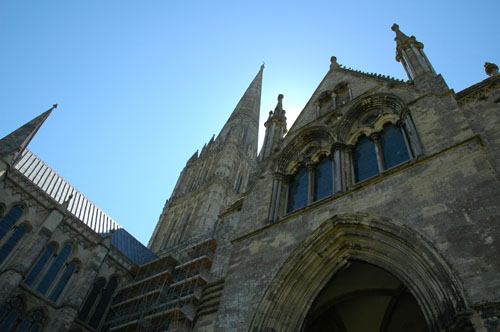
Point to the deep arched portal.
(334, 246)
(364, 298)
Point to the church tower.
(214, 178)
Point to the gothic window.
(298, 190)
(12, 317)
(323, 179)
(10, 313)
(384, 151)
(364, 159)
(44, 258)
(10, 219)
(53, 272)
(54, 269)
(393, 146)
(9, 245)
(103, 303)
(63, 281)
(91, 298)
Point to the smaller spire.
(12, 145)
(65, 205)
(491, 69)
(194, 157)
(401, 38)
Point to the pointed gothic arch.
(379, 241)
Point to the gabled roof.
(47, 180)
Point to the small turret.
(275, 129)
(410, 53)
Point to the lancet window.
(56, 269)
(13, 317)
(97, 301)
(373, 136)
(379, 152)
(10, 233)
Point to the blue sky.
(141, 85)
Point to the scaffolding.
(165, 293)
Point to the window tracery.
(10, 233)
(13, 317)
(56, 276)
(373, 135)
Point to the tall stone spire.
(12, 145)
(410, 53)
(243, 124)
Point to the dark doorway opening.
(365, 298)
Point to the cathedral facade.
(377, 210)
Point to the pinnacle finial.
(400, 36)
(333, 63)
(263, 65)
(491, 69)
(65, 204)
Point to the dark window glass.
(297, 192)
(3, 311)
(54, 269)
(10, 219)
(68, 272)
(24, 326)
(9, 321)
(11, 242)
(103, 303)
(39, 266)
(364, 159)
(393, 146)
(323, 180)
(94, 293)
(36, 328)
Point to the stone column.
(16, 270)
(411, 132)
(337, 169)
(311, 185)
(400, 124)
(274, 208)
(350, 179)
(287, 183)
(378, 150)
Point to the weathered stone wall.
(449, 196)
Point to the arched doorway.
(365, 298)
(388, 246)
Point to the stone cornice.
(477, 90)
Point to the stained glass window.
(323, 179)
(11, 242)
(103, 302)
(54, 269)
(298, 190)
(10, 219)
(393, 146)
(91, 298)
(364, 159)
(68, 272)
(47, 254)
